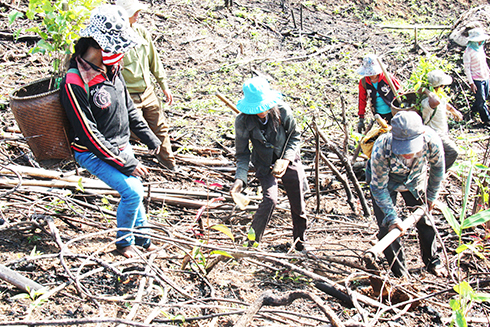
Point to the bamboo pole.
(18, 280)
(227, 102)
(388, 78)
(371, 254)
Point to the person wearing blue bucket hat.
(400, 163)
(477, 72)
(374, 90)
(268, 123)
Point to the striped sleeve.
(77, 106)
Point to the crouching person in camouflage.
(400, 163)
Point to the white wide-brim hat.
(477, 35)
(370, 66)
(438, 77)
(131, 6)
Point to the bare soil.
(208, 48)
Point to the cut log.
(18, 280)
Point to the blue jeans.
(130, 212)
(480, 104)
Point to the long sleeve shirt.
(390, 173)
(141, 62)
(100, 121)
(267, 146)
(475, 65)
(370, 93)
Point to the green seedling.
(34, 296)
(466, 295)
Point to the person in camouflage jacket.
(400, 163)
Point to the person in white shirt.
(434, 113)
(477, 72)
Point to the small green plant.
(33, 239)
(419, 79)
(466, 294)
(34, 296)
(461, 305)
(199, 258)
(251, 238)
(175, 318)
(58, 25)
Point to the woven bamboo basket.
(42, 120)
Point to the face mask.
(110, 59)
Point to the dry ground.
(207, 48)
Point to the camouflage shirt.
(390, 173)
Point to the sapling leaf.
(220, 252)
(463, 247)
(33, 252)
(481, 166)
(464, 289)
(476, 219)
(80, 185)
(480, 297)
(251, 234)
(13, 15)
(454, 304)
(452, 221)
(460, 319)
(225, 230)
(20, 296)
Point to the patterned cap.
(109, 26)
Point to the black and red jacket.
(369, 92)
(101, 121)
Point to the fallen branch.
(268, 298)
(348, 168)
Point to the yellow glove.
(280, 168)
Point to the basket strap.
(76, 71)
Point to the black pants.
(427, 238)
(294, 183)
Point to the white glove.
(280, 168)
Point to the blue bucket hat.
(258, 96)
(370, 66)
(407, 130)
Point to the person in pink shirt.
(477, 72)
